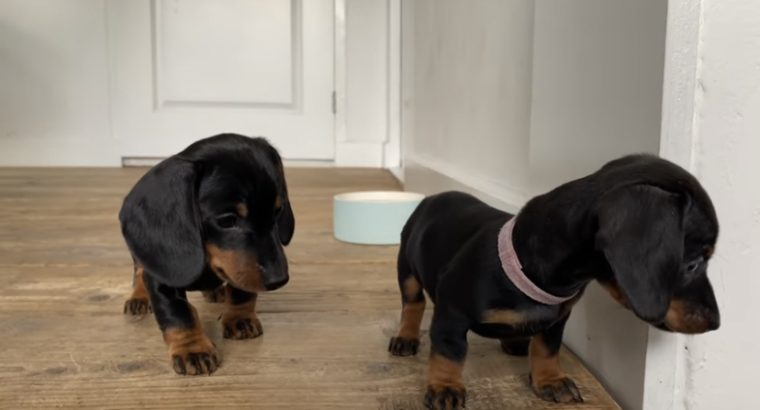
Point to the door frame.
(354, 150)
(667, 367)
(358, 150)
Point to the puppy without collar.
(213, 218)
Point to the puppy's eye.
(227, 221)
(694, 265)
(278, 211)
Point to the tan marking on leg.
(139, 291)
(412, 288)
(411, 319)
(548, 380)
(214, 296)
(190, 349)
(412, 310)
(138, 303)
(240, 321)
(443, 372)
(544, 366)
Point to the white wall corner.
(681, 90)
(429, 175)
(398, 173)
(666, 359)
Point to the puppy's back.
(442, 225)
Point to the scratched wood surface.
(64, 343)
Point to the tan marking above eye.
(709, 252)
(277, 202)
(242, 210)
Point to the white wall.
(597, 84)
(716, 79)
(509, 99)
(54, 104)
(466, 79)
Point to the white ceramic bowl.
(372, 217)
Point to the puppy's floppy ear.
(641, 235)
(286, 221)
(160, 222)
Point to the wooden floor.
(65, 272)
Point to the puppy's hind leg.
(517, 346)
(138, 303)
(217, 295)
(412, 308)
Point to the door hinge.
(334, 102)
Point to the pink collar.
(512, 267)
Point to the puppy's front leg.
(190, 349)
(239, 318)
(139, 303)
(448, 335)
(549, 382)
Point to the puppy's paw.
(195, 358)
(400, 346)
(246, 327)
(214, 296)
(196, 363)
(558, 390)
(439, 397)
(137, 306)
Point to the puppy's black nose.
(713, 321)
(273, 277)
(276, 284)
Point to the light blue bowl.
(372, 217)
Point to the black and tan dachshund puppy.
(213, 218)
(641, 226)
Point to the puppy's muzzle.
(273, 279)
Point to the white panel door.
(182, 70)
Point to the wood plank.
(66, 344)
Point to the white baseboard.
(430, 176)
(58, 151)
(289, 163)
(308, 163)
(359, 154)
(398, 173)
(138, 162)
